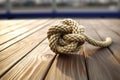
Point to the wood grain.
(25, 54)
(68, 67)
(113, 29)
(14, 53)
(101, 64)
(9, 23)
(34, 66)
(18, 32)
(28, 33)
(14, 27)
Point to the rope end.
(108, 41)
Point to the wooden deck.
(25, 54)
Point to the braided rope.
(69, 36)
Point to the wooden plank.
(10, 56)
(18, 32)
(8, 23)
(14, 27)
(112, 21)
(101, 64)
(68, 67)
(34, 66)
(11, 42)
(113, 25)
(114, 32)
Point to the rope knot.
(68, 37)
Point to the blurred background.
(59, 8)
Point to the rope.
(69, 36)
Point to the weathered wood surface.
(68, 67)
(25, 54)
(101, 63)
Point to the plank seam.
(108, 48)
(21, 58)
(12, 25)
(17, 28)
(111, 29)
(52, 61)
(22, 33)
(24, 37)
(86, 66)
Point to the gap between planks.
(7, 37)
(8, 23)
(101, 64)
(17, 39)
(68, 67)
(34, 66)
(114, 30)
(8, 59)
(14, 27)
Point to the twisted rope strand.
(68, 37)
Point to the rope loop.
(68, 37)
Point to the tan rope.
(68, 37)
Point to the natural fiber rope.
(68, 37)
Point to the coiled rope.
(68, 37)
